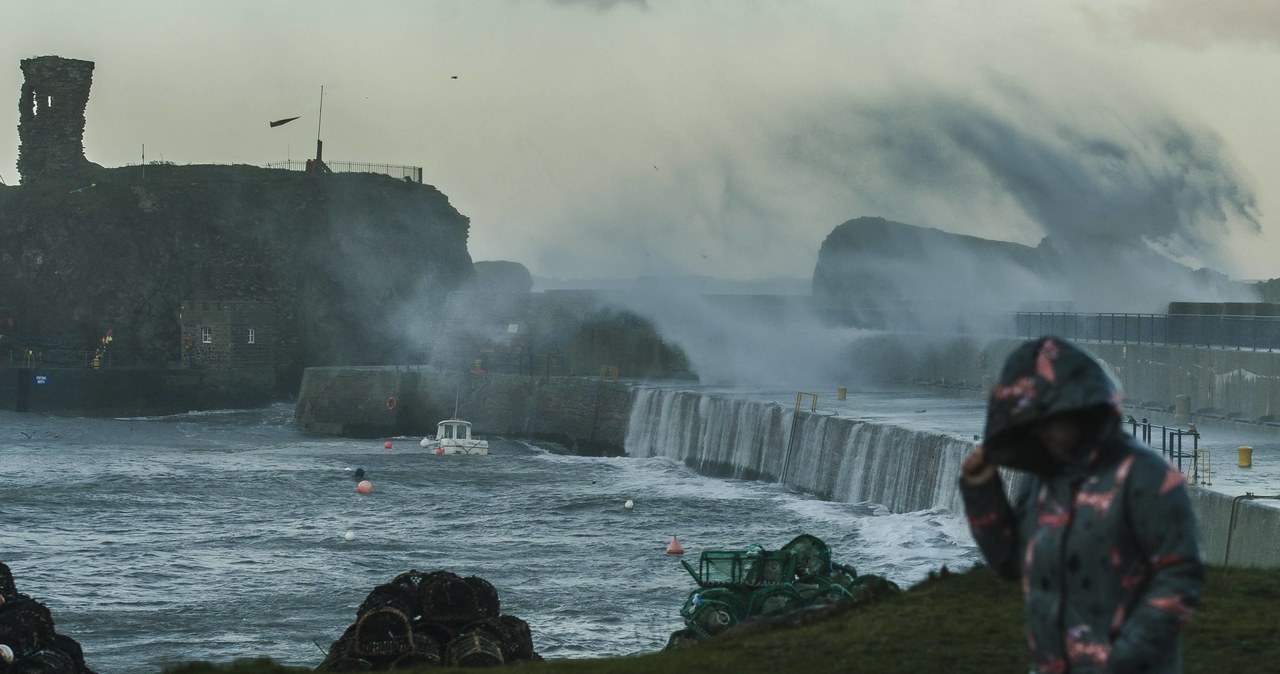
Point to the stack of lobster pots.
(28, 640)
(423, 619)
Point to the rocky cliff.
(342, 259)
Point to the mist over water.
(1116, 199)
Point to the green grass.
(967, 622)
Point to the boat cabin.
(453, 429)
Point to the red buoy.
(387, 444)
(674, 547)
(365, 487)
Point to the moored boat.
(453, 436)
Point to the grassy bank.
(969, 622)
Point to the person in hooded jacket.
(1101, 533)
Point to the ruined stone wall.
(51, 120)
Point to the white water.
(833, 457)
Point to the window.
(206, 335)
(253, 336)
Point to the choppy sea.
(223, 535)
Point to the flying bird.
(454, 77)
(286, 120)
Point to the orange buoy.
(365, 487)
(674, 547)
(387, 444)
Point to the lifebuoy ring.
(391, 403)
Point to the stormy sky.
(618, 138)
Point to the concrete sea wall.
(1235, 531)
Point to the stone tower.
(51, 117)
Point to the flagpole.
(319, 144)
(321, 115)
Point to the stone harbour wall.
(588, 415)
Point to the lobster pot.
(711, 611)
(389, 595)
(510, 633)
(738, 585)
(473, 649)
(426, 652)
(382, 634)
(451, 600)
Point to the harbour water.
(222, 535)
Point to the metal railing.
(791, 438)
(406, 173)
(1239, 332)
(63, 349)
(1197, 468)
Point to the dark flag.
(278, 122)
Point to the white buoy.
(629, 504)
(350, 535)
(6, 654)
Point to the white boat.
(453, 436)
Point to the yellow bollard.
(841, 392)
(1246, 456)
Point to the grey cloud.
(1197, 24)
(1111, 179)
(603, 5)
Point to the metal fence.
(30, 349)
(407, 173)
(1239, 332)
(1190, 459)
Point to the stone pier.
(586, 414)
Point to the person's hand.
(975, 469)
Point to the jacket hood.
(1040, 379)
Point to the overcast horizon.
(615, 139)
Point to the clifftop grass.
(955, 623)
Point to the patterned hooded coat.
(1103, 541)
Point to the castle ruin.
(51, 108)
